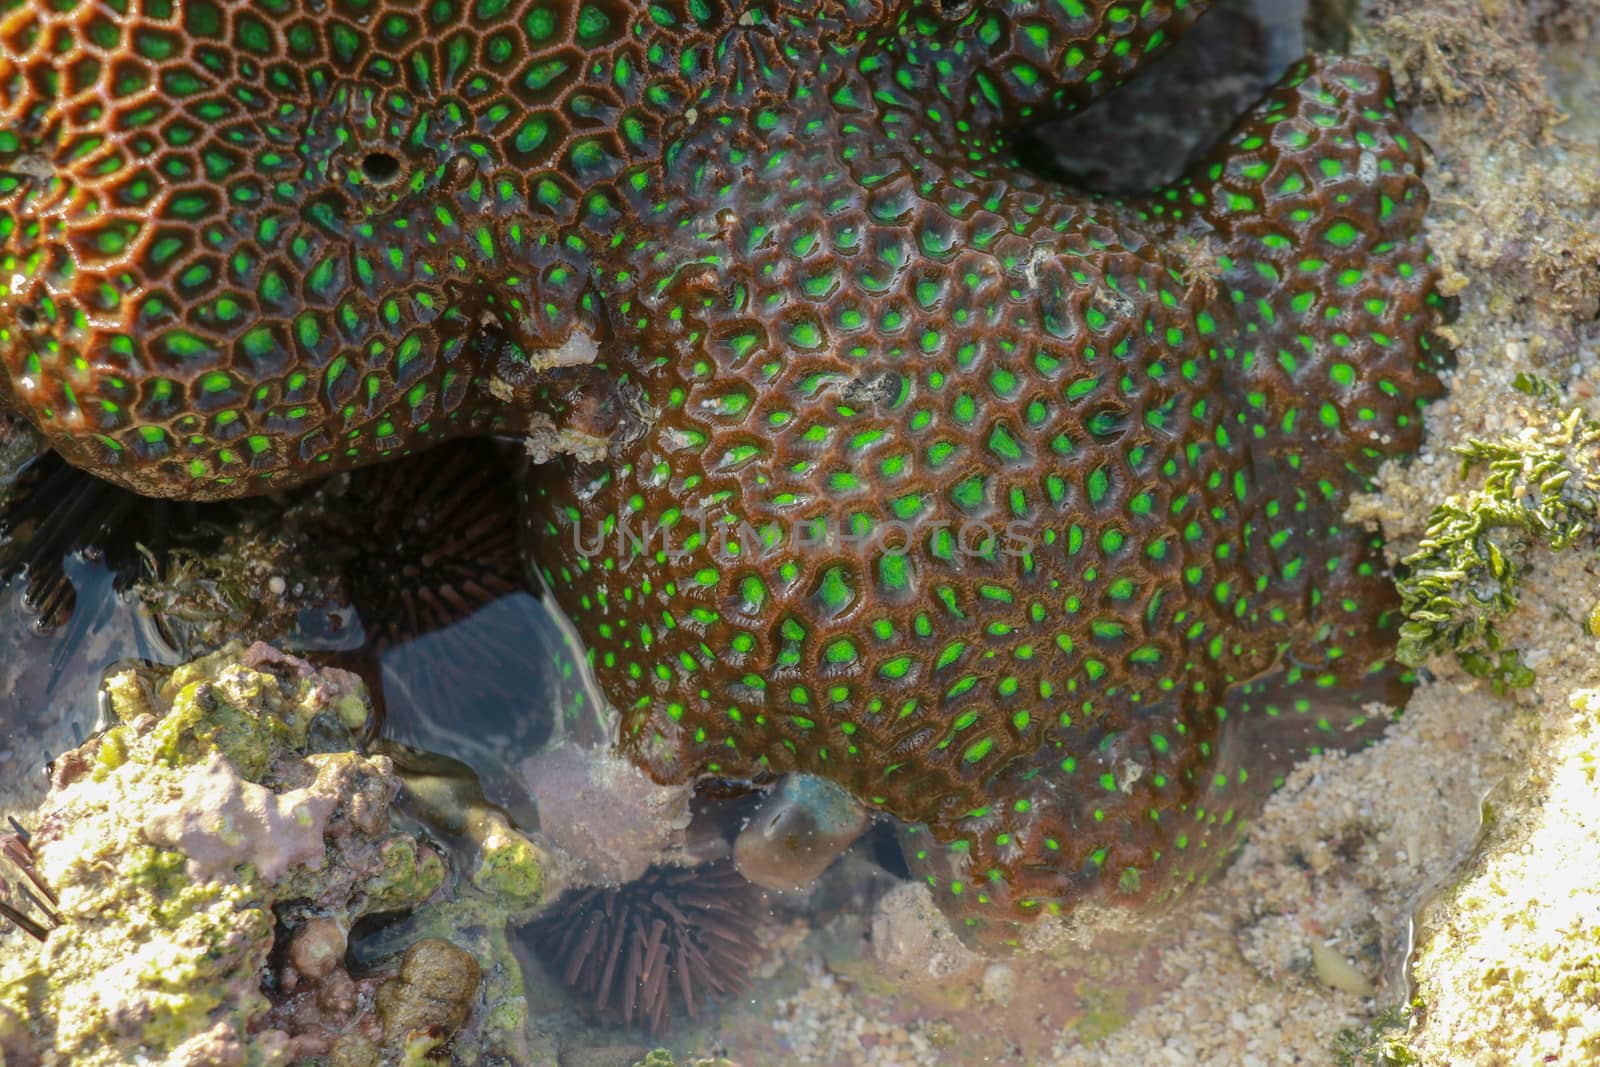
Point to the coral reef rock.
(219, 795)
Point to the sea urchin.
(675, 933)
(427, 544)
(14, 850)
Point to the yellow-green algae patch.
(663, 1058)
(508, 878)
(170, 838)
(240, 713)
(1508, 959)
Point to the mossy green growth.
(113, 752)
(663, 1058)
(505, 865)
(138, 931)
(1381, 1044)
(1540, 489)
(477, 919)
(408, 874)
(1104, 1013)
(509, 866)
(229, 712)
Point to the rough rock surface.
(1508, 958)
(170, 839)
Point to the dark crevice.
(1142, 135)
(381, 168)
(1330, 23)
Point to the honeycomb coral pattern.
(1004, 507)
(244, 244)
(991, 502)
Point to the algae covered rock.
(663, 1058)
(226, 788)
(432, 993)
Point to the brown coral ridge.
(668, 942)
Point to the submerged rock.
(611, 819)
(800, 828)
(225, 811)
(431, 996)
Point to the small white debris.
(31, 166)
(545, 441)
(1367, 167)
(579, 348)
(1337, 972)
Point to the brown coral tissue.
(670, 940)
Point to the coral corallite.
(983, 498)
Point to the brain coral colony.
(873, 456)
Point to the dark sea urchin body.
(674, 938)
(985, 499)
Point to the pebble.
(1337, 972)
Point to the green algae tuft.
(1541, 488)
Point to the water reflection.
(50, 676)
(487, 689)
